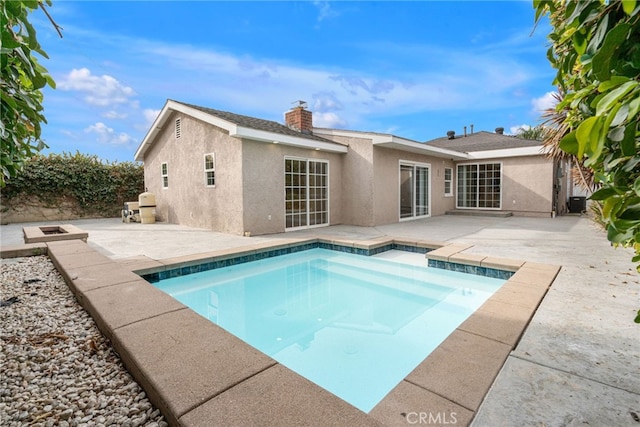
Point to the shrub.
(95, 187)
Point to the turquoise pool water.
(352, 324)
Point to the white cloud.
(102, 91)
(514, 130)
(150, 115)
(328, 120)
(112, 114)
(326, 101)
(325, 10)
(545, 102)
(107, 135)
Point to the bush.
(95, 187)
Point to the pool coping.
(194, 371)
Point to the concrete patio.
(577, 362)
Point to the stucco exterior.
(363, 171)
(187, 200)
(527, 187)
(387, 183)
(263, 185)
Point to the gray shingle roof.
(482, 141)
(255, 123)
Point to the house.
(243, 175)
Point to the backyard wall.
(29, 209)
(61, 187)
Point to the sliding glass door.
(414, 190)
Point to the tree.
(20, 87)
(595, 50)
(536, 133)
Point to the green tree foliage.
(99, 189)
(20, 87)
(595, 50)
(536, 133)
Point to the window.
(414, 190)
(165, 175)
(479, 186)
(209, 170)
(306, 189)
(448, 181)
(177, 128)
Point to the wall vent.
(177, 128)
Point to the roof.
(483, 141)
(238, 126)
(255, 123)
(387, 140)
(480, 145)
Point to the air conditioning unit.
(577, 204)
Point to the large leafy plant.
(595, 48)
(20, 87)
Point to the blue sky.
(414, 69)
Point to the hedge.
(97, 188)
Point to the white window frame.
(164, 174)
(209, 170)
(429, 189)
(450, 181)
(308, 193)
(461, 178)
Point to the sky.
(412, 69)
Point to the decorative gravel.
(56, 368)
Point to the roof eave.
(160, 121)
(402, 144)
(277, 138)
(508, 152)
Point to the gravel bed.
(56, 368)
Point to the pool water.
(352, 324)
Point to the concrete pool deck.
(576, 362)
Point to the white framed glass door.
(414, 190)
(306, 188)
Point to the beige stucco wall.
(364, 183)
(357, 181)
(263, 184)
(387, 183)
(188, 200)
(527, 185)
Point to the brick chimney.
(500, 131)
(299, 118)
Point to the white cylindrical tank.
(147, 203)
(147, 199)
(147, 214)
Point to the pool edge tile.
(469, 259)
(408, 404)
(499, 321)
(450, 373)
(169, 355)
(276, 396)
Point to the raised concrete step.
(472, 212)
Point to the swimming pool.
(354, 325)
